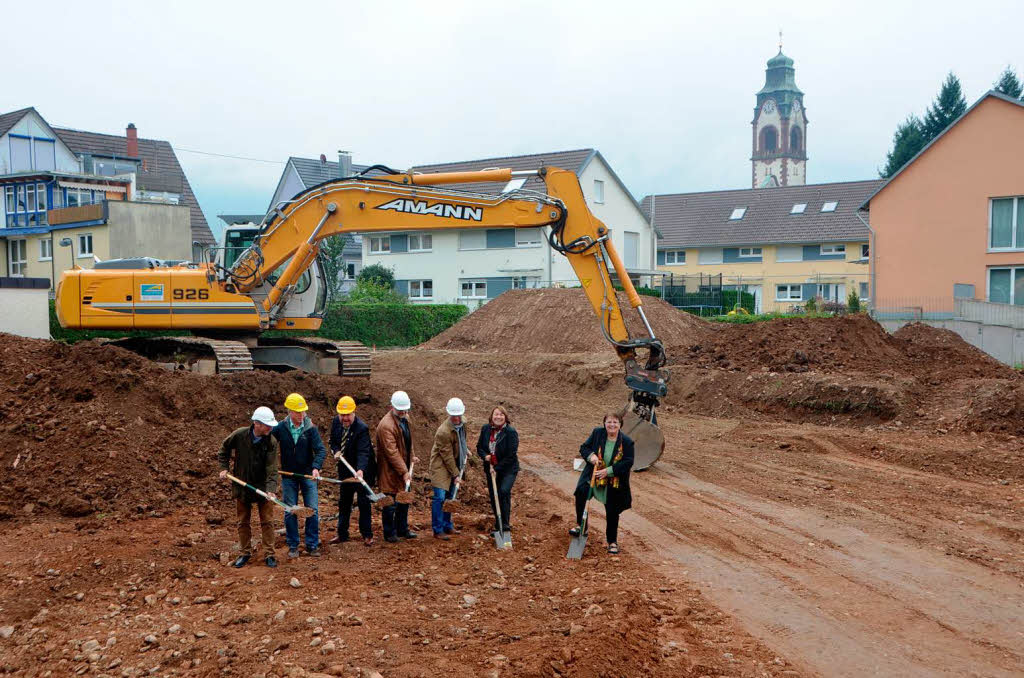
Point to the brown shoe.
(368, 541)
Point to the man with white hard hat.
(256, 463)
(394, 462)
(447, 460)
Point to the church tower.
(779, 155)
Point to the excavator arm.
(397, 201)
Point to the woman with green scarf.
(609, 456)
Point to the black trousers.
(504, 481)
(395, 519)
(345, 510)
(612, 529)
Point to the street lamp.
(66, 242)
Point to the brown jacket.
(393, 459)
(444, 455)
(255, 463)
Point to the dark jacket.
(621, 498)
(255, 463)
(506, 448)
(393, 459)
(304, 455)
(357, 448)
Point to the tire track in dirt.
(867, 607)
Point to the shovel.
(299, 511)
(323, 478)
(577, 544)
(406, 496)
(501, 540)
(383, 499)
(453, 504)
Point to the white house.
(475, 265)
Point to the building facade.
(782, 245)
(950, 223)
(473, 266)
(779, 144)
(69, 197)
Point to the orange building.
(950, 224)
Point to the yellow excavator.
(276, 283)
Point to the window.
(10, 205)
(474, 289)
(113, 168)
(788, 292)
(769, 140)
(750, 252)
(864, 251)
(45, 249)
(798, 208)
(524, 282)
(421, 289)
(17, 257)
(350, 271)
(598, 190)
(830, 206)
(832, 292)
(709, 256)
(380, 244)
(472, 240)
(630, 253)
(795, 140)
(675, 257)
(528, 237)
(863, 291)
(832, 249)
(1006, 286)
(45, 152)
(41, 197)
(737, 214)
(514, 185)
(421, 242)
(85, 245)
(1006, 223)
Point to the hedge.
(372, 324)
(707, 303)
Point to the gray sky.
(664, 90)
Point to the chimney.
(344, 164)
(133, 140)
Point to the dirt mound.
(90, 428)
(933, 347)
(847, 343)
(560, 321)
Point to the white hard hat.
(400, 401)
(455, 407)
(264, 415)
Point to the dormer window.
(830, 206)
(737, 214)
(798, 208)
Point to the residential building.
(302, 173)
(783, 245)
(779, 142)
(950, 223)
(472, 266)
(105, 196)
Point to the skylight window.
(737, 214)
(798, 208)
(514, 185)
(830, 206)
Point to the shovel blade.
(450, 505)
(301, 511)
(502, 540)
(576, 547)
(381, 499)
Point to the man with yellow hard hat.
(302, 452)
(350, 438)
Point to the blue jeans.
(290, 486)
(441, 521)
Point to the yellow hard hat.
(346, 405)
(295, 403)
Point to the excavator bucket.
(648, 440)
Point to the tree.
(907, 142)
(331, 251)
(1009, 84)
(368, 292)
(949, 105)
(377, 274)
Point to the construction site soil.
(833, 500)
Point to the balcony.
(72, 215)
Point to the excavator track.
(197, 354)
(353, 357)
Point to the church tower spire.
(779, 149)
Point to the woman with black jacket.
(609, 456)
(498, 446)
